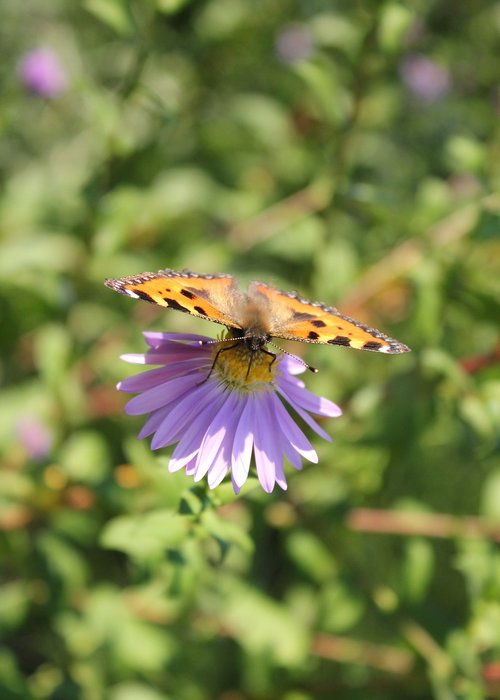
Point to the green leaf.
(14, 604)
(490, 499)
(52, 352)
(114, 13)
(226, 532)
(145, 536)
(110, 623)
(466, 154)
(12, 681)
(136, 691)
(332, 102)
(475, 412)
(85, 458)
(340, 608)
(141, 646)
(418, 567)
(26, 253)
(63, 561)
(263, 626)
(332, 29)
(311, 555)
(170, 7)
(395, 21)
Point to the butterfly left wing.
(295, 318)
(206, 296)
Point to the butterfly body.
(257, 315)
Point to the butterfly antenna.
(299, 359)
(218, 340)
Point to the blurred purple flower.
(294, 43)
(424, 78)
(219, 418)
(34, 437)
(41, 72)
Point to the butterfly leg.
(271, 354)
(267, 352)
(229, 347)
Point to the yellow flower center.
(243, 368)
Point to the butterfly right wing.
(294, 318)
(211, 297)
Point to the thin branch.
(420, 524)
(379, 656)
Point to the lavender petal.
(306, 418)
(189, 444)
(215, 435)
(243, 443)
(182, 413)
(154, 398)
(311, 402)
(266, 454)
(294, 434)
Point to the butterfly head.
(256, 341)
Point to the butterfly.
(255, 316)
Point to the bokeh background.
(350, 151)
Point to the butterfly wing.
(211, 297)
(295, 318)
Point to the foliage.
(347, 150)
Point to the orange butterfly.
(257, 315)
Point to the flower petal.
(267, 452)
(215, 435)
(243, 443)
(189, 444)
(156, 338)
(280, 475)
(311, 402)
(158, 396)
(284, 443)
(154, 421)
(218, 471)
(135, 358)
(306, 418)
(289, 364)
(294, 434)
(153, 377)
(280, 445)
(181, 413)
(162, 358)
(222, 461)
(190, 467)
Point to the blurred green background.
(350, 151)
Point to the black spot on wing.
(340, 340)
(301, 316)
(200, 310)
(312, 335)
(172, 304)
(318, 323)
(144, 295)
(372, 345)
(187, 293)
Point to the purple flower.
(426, 79)
(220, 405)
(294, 43)
(34, 437)
(41, 72)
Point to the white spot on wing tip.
(131, 294)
